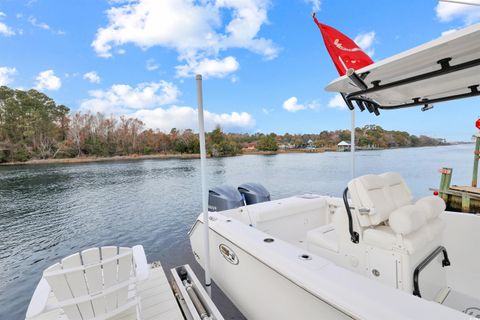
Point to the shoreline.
(87, 159)
(165, 156)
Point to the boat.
(375, 253)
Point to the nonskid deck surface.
(464, 303)
(157, 300)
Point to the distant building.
(252, 146)
(343, 146)
(310, 145)
(286, 146)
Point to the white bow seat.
(324, 237)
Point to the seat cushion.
(384, 237)
(406, 219)
(373, 194)
(431, 206)
(380, 236)
(399, 191)
(324, 236)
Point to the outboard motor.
(223, 198)
(254, 193)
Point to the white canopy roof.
(343, 143)
(446, 67)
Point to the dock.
(461, 198)
(156, 296)
(458, 198)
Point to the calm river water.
(50, 211)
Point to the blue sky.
(264, 61)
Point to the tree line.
(33, 126)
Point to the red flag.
(344, 52)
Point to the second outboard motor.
(223, 198)
(254, 193)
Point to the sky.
(264, 63)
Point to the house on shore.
(310, 145)
(249, 147)
(343, 146)
(286, 146)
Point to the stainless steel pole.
(352, 143)
(203, 168)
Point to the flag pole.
(203, 162)
(352, 143)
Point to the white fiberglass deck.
(156, 296)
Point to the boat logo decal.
(339, 45)
(473, 311)
(228, 254)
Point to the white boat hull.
(271, 279)
(256, 289)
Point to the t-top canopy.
(444, 69)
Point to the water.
(50, 211)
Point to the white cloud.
(366, 41)
(469, 14)
(195, 29)
(92, 76)
(42, 25)
(4, 29)
(267, 111)
(47, 80)
(337, 102)
(151, 65)
(182, 117)
(292, 105)
(6, 74)
(122, 98)
(208, 67)
(153, 104)
(315, 4)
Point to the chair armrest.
(39, 299)
(141, 262)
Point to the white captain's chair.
(397, 234)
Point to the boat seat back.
(388, 217)
(372, 200)
(399, 191)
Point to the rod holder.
(356, 79)
(347, 102)
(360, 105)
